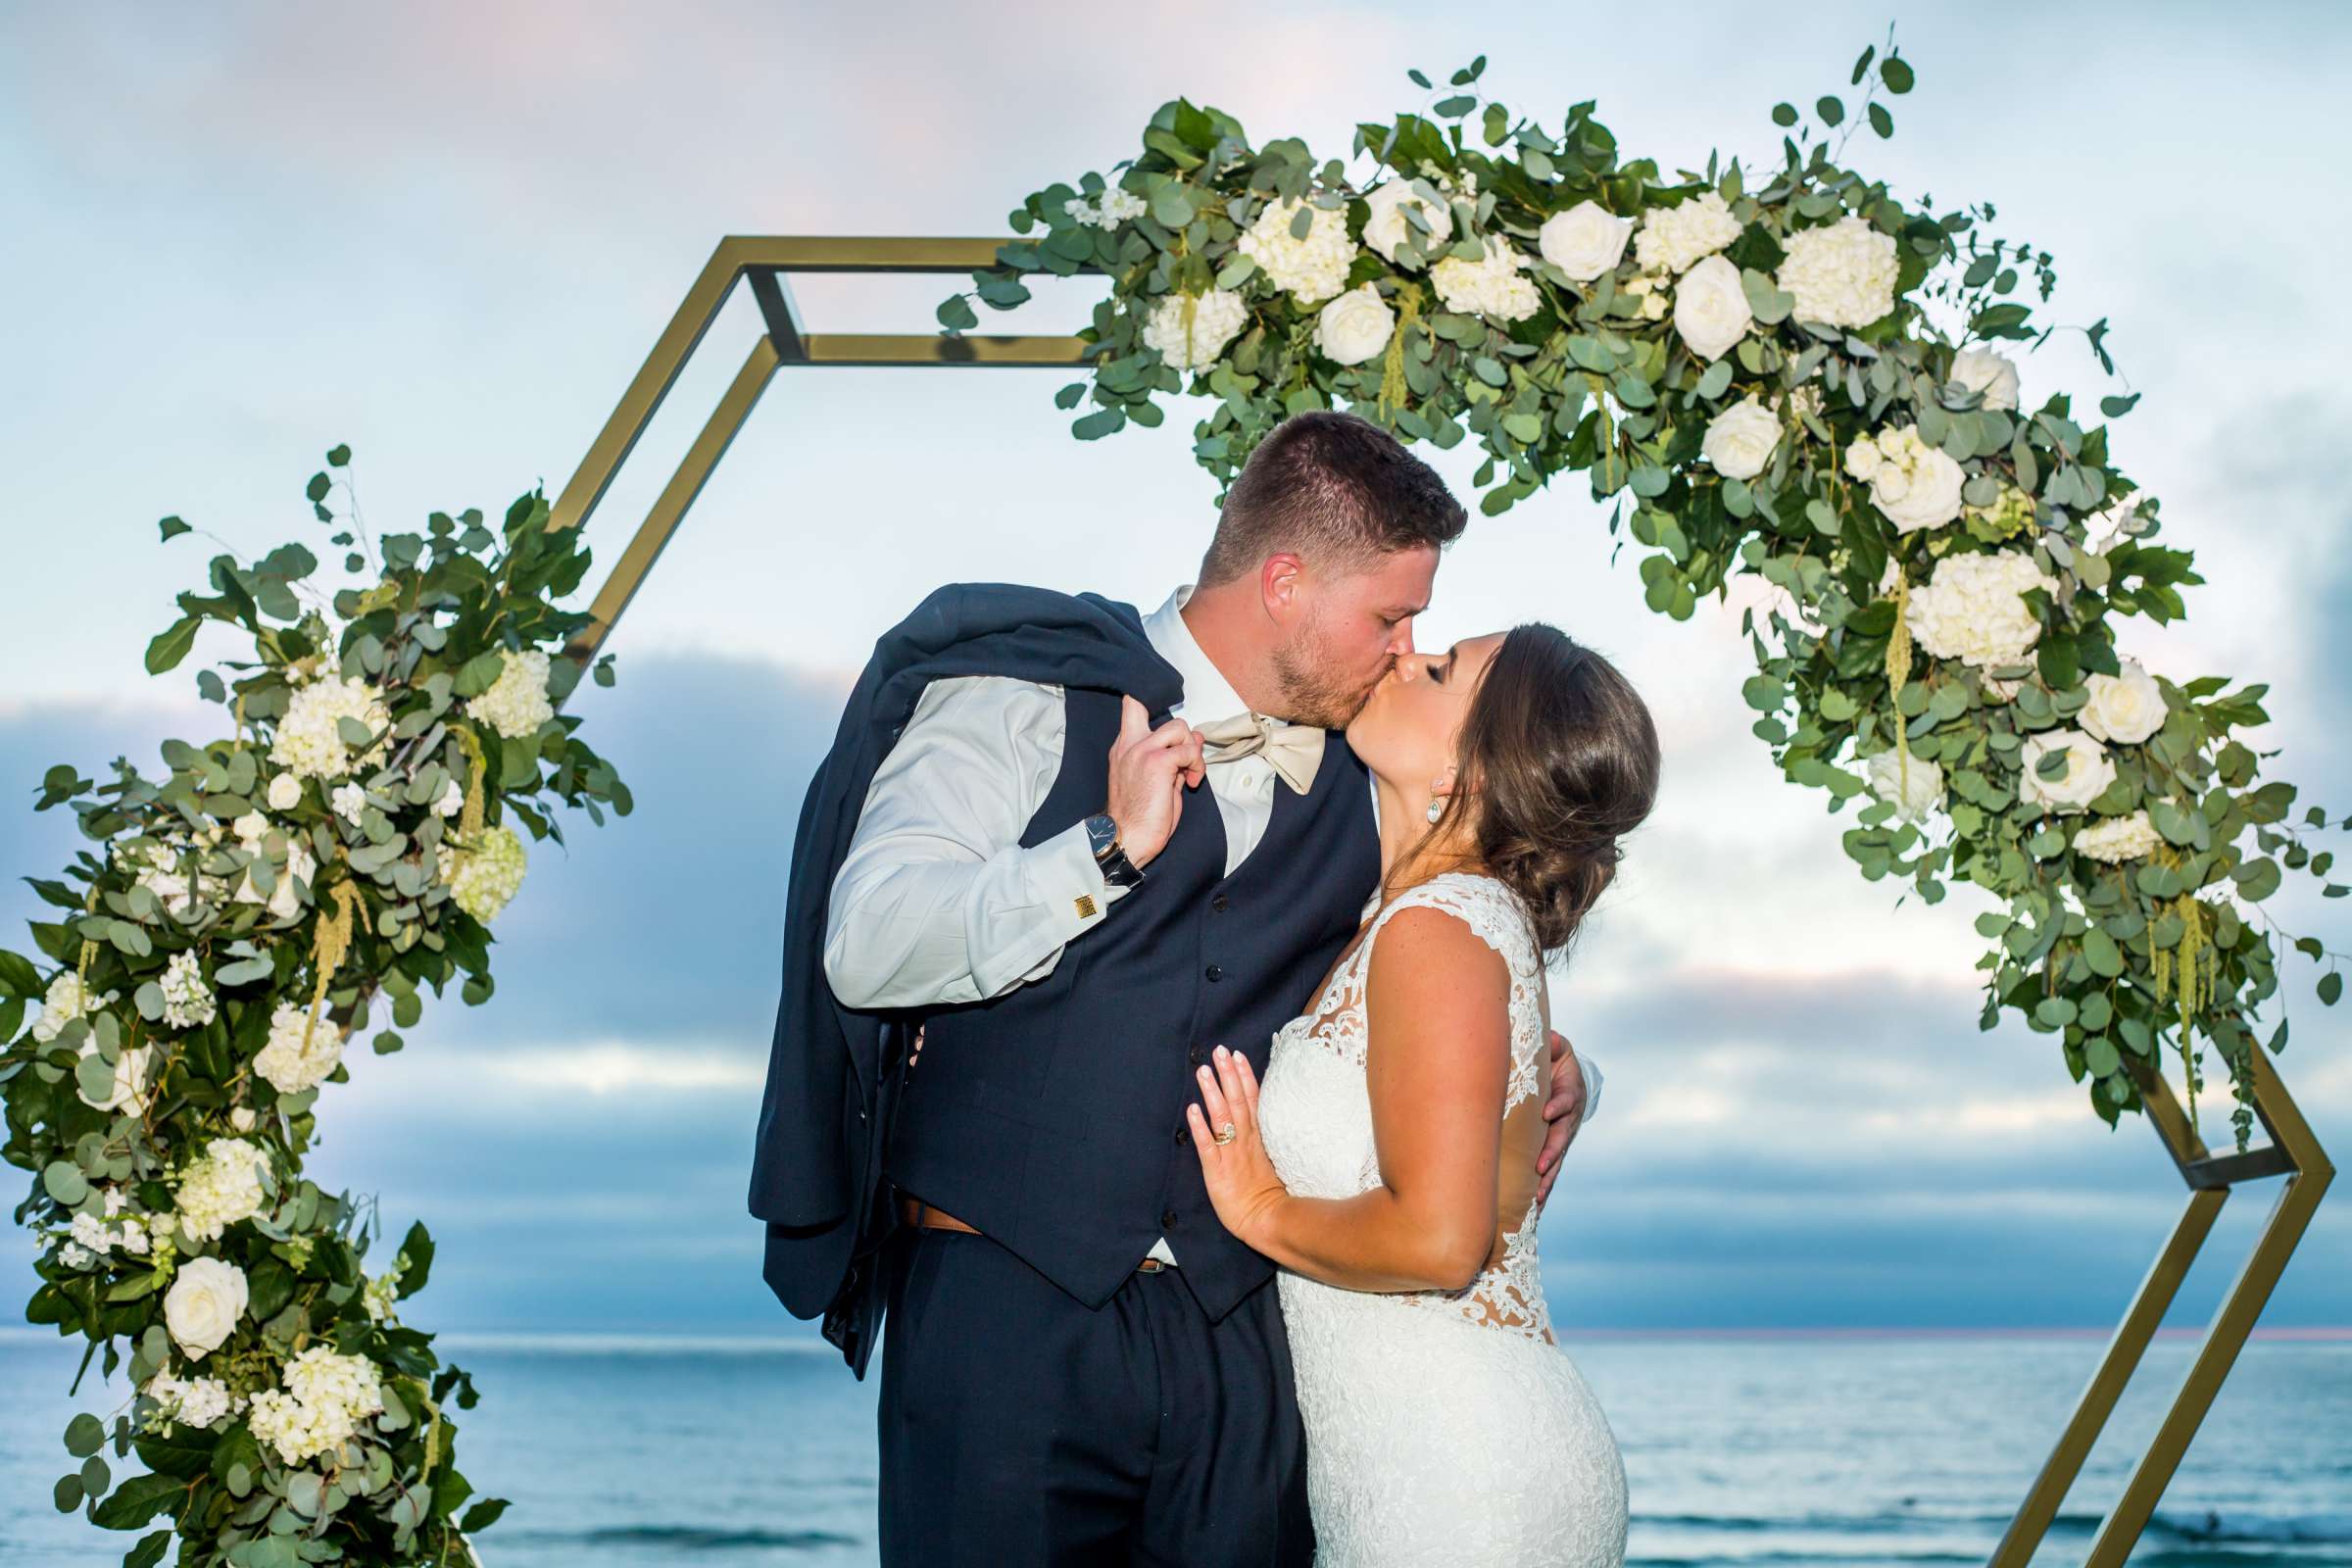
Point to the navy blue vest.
(1053, 1117)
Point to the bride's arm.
(1437, 1010)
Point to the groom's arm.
(938, 901)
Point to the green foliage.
(1593, 379)
(239, 863)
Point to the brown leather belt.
(922, 1216)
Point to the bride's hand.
(1242, 1183)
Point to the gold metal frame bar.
(2294, 1152)
(766, 261)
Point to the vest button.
(1219, 903)
(1196, 1055)
(1168, 1220)
(1184, 1135)
(1216, 971)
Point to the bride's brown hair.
(1557, 763)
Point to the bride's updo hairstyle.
(1557, 761)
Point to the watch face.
(1101, 832)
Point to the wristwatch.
(1103, 835)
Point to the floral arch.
(1785, 372)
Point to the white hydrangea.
(1218, 317)
(285, 902)
(1672, 238)
(1913, 484)
(2089, 769)
(1387, 228)
(1971, 609)
(1993, 374)
(326, 1394)
(309, 744)
(286, 1061)
(1118, 206)
(200, 1402)
(285, 792)
(382, 1290)
(1651, 291)
(219, 1188)
(66, 1001)
(1494, 286)
(1914, 784)
(2117, 839)
(1313, 269)
(2124, 709)
(1841, 274)
(188, 1003)
(116, 1230)
(482, 879)
(348, 801)
(165, 868)
(74, 1255)
(516, 704)
(452, 801)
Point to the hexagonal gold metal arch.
(2293, 1152)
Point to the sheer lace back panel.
(1330, 1152)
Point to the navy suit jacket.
(824, 1113)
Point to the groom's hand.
(1148, 772)
(1564, 1111)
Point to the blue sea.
(1853, 1450)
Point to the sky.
(447, 233)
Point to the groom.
(1008, 848)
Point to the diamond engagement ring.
(1227, 1132)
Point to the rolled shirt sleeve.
(938, 901)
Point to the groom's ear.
(1280, 586)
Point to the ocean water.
(1854, 1450)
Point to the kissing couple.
(1188, 1145)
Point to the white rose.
(1710, 308)
(1218, 318)
(285, 792)
(1913, 484)
(1584, 241)
(348, 801)
(1740, 440)
(1841, 274)
(2124, 709)
(204, 1304)
(131, 1076)
(1914, 784)
(1386, 227)
(241, 1118)
(2117, 839)
(1993, 374)
(1355, 327)
(1672, 239)
(2089, 769)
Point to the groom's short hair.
(1336, 489)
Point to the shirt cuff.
(1068, 881)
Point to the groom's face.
(1350, 631)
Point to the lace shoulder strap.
(1486, 907)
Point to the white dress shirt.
(939, 902)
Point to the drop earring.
(1436, 809)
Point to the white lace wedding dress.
(1440, 1427)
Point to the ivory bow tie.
(1294, 749)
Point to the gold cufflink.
(1086, 906)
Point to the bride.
(1387, 1164)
